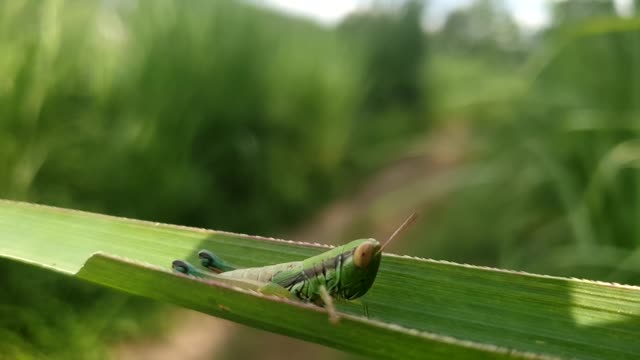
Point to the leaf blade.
(442, 309)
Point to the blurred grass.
(158, 119)
(38, 306)
(551, 182)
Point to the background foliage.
(230, 116)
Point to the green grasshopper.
(344, 273)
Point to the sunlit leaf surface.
(417, 308)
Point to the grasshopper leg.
(183, 267)
(276, 290)
(212, 262)
(328, 304)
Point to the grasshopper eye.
(363, 254)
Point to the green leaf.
(418, 308)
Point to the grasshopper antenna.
(400, 229)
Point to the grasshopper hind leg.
(183, 267)
(209, 260)
(212, 262)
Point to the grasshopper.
(343, 273)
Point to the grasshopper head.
(360, 268)
(362, 262)
(364, 253)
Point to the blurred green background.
(519, 144)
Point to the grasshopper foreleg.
(328, 304)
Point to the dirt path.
(441, 150)
(198, 336)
